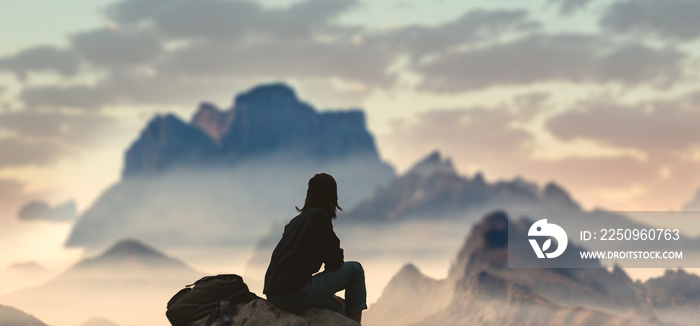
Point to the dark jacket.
(307, 242)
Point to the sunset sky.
(600, 96)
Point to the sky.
(599, 96)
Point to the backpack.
(213, 296)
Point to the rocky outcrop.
(268, 120)
(212, 181)
(262, 312)
(675, 296)
(168, 142)
(214, 122)
(674, 288)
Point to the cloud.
(229, 20)
(567, 7)
(223, 44)
(64, 62)
(653, 127)
(41, 210)
(673, 19)
(479, 136)
(43, 138)
(89, 98)
(83, 130)
(282, 60)
(18, 151)
(473, 26)
(114, 47)
(11, 191)
(125, 87)
(540, 58)
(189, 74)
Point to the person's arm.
(327, 243)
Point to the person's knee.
(357, 268)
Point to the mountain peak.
(558, 197)
(131, 247)
(432, 164)
(269, 96)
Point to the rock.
(165, 143)
(674, 288)
(262, 312)
(214, 122)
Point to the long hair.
(322, 193)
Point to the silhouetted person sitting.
(307, 242)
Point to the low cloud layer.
(42, 211)
(42, 58)
(115, 47)
(543, 58)
(653, 127)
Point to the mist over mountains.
(432, 188)
(129, 283)
(481, 290)
(223, 177)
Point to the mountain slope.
(130, 283)
(223, 177)
(483, 290)
(432, 188)
(14, 317)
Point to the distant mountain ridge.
(432, 188)
(128, 283)
(481, 289)
(266, 120)
(10, 316)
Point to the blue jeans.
(320, 290)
